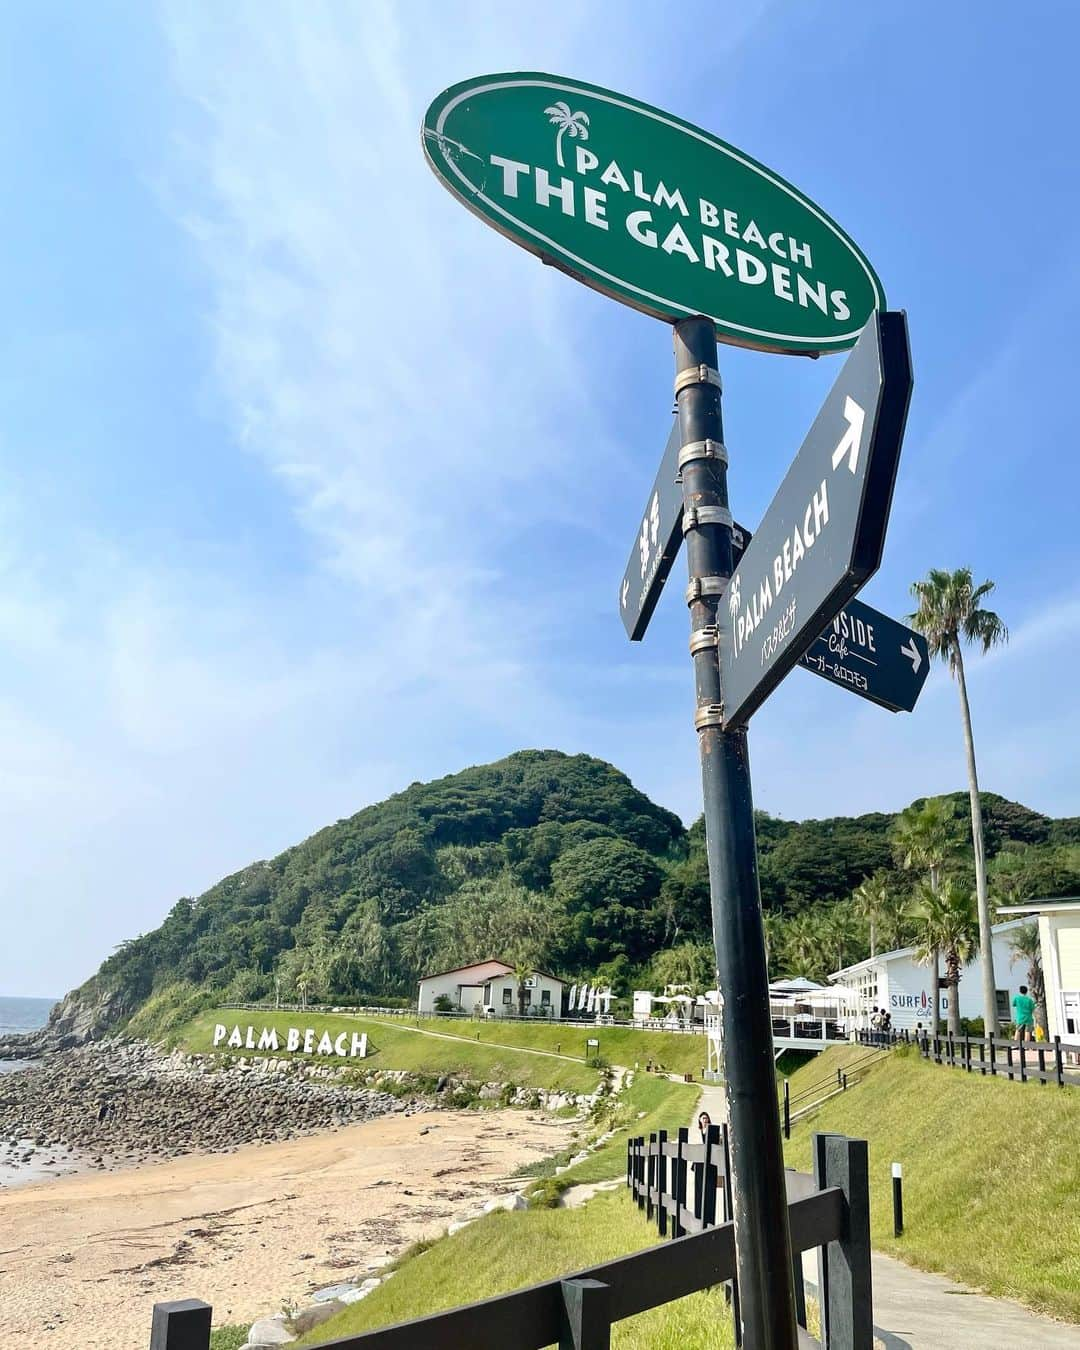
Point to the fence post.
(650, 1174)
(1042, 1064)
(586, 1315)
(181, 1325)
(1059, 1067)
(714, 1160)
(787, 1109)
(732, 1292)
(1008, 1053)
(993, 1056)
(1023, 1064)
(661, 1183)
(846, 1291)
(967, 1052)
(679, 1184)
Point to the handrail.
(856, 1066)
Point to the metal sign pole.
(762, 1240)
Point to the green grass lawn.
(400, 1046)
(991, 1173)
(618, 1045)
(504, 1251)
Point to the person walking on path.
(1023, 1011)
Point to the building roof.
(1066, 905)
(473, 965)
(504, 968)
(799, 982)
(897, 953)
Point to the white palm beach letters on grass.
(576, 123)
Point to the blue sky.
(311, 485)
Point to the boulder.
(515, 1200)
(308, 1318)
(331, 1292)
(269, 1331)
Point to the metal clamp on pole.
(703, 638)
(709, 715)
(700, 586)
(703, 450)
(693, 516)
(701, 374)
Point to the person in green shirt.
(1023, 1010)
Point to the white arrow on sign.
(625, 591)
(852, 437)
(913, 654)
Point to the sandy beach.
(84, 1258)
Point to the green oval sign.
(650, 210)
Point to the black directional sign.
(656, 544)
(823, 534)
(873, 656)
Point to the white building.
(895, 982)
(1059, 938)
(489, 988)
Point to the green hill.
(542, 857)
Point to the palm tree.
(870, 901)
(922, 838)
(522, 973)
(576, 123)
(838, 933)
(774, 926)
(1025, 945)
(950, 610)
(948, 922)
(802, 943)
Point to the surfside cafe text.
(346, 1045)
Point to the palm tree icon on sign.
(733, 598)
(576, 123)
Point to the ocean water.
(24, 1014)
(19, 1015)
(20, 1161)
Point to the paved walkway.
(914, 1310)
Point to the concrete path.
(712, 1099)
(914, 1310)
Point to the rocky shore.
(117, 1102)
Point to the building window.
(528, 997)
(545, 998)
(1004, 1007)
(508, 996)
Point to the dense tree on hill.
(547, 859)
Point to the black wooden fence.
(683, 1186)
(1021, 1061)
(830, 1211)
